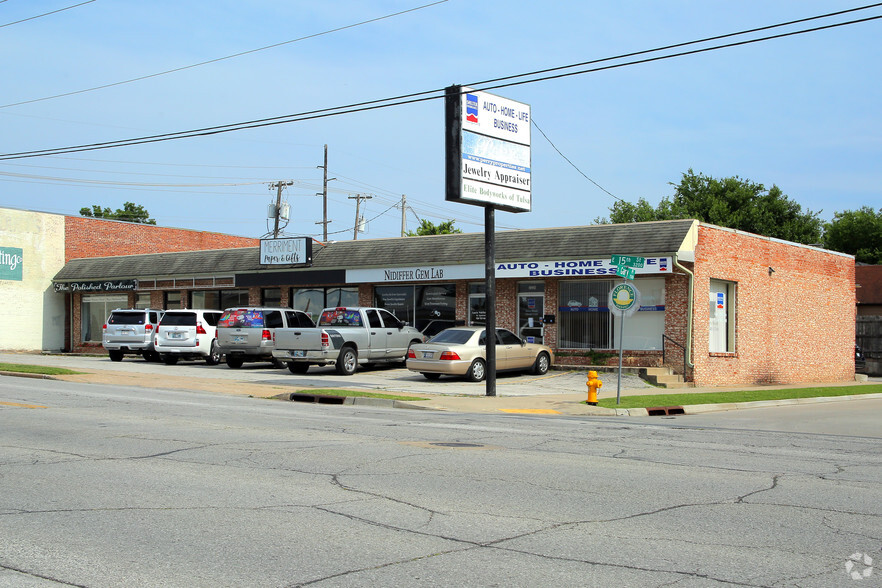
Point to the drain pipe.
(689, 312)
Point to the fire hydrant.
(593, 384)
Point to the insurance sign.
(488, 150)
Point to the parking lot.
(390, 379)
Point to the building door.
(531, 308)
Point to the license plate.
(175, 335)
(298, 353)
(427, 354)
(126, 331)
(239, 338)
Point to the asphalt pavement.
(561, 392)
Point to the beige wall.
(31, 313)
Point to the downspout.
(689, 312)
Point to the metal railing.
(666, 338)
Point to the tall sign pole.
(487, 163)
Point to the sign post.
(487, 163)
(624, 300)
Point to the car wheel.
(296, 367)
(540, 368)
(278, 363)
(477, 371)
(115, 355)
(151, 356)
(170, 359)
(214, 355)
(235, 362)
(430, 375)
(347, 361)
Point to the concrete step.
(663, 377)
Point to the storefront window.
(95, 309)
(721, 309)
(430, 308)
(313, 300)
(219, 299)
(531, 308)
(477, 304)
(173, 300)
(271, 297)
(142, 300)
(584, 319)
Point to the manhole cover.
(457, 444)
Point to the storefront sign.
(525, 269)
(105, 286)
(289, 251)
(488, 150)
(11, 260)
(577, 267)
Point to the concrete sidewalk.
(570, 404)
(556, 393)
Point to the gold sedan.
(461, 351)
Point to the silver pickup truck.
(346, 337)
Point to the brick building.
(34, 246)
(719, 306)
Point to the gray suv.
(248, 333)
(131, 330)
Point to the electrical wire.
(9, 24)
(210, 61)
(428, 95)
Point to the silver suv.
(131, 330)
(188, 334)
(248, 334)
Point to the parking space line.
(19, 405)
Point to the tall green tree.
(856, 232)
(729, 202)
(427, 227)
(131, 212)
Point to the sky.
(801, 112)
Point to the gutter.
(689, 311)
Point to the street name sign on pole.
(624, 300)
(626, 264)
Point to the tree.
(728, 202)
(130, 212)
(856, 232)
(429, 228)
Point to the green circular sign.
(624, 299)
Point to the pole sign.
(487, 150)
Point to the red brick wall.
(90, 237)
(795, 324)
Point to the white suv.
(131, 330)
(188, 334)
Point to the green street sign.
(628, 260)
(626, 272)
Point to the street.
(106, 485)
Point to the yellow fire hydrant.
(593, 384)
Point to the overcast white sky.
(802, 112)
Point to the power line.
(210, 61)
(9, 24)
(427, 95)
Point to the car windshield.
(454, 336)
(179, 319)
(241, 317)
(126, 318)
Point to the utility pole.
(358, 198)
(278, 186)
(324, 194)
(403, 214)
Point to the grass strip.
(24, 368)
(335, 392)
(737, 396)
